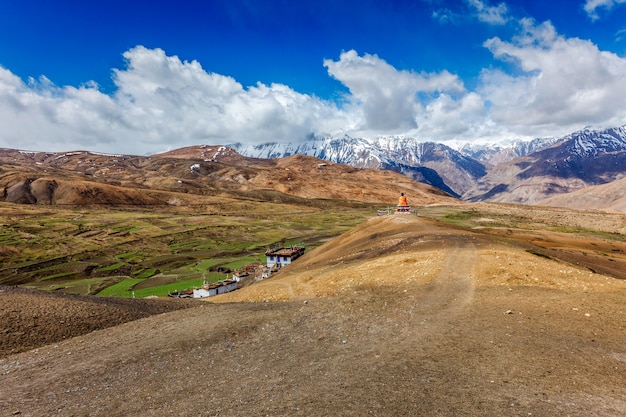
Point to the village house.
(215, 289)
(247, 271)
(207, 290)
(278, 257)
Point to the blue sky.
(146, 76)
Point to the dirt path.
(454, 287)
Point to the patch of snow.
(106, 154)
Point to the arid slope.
(611, 196)
(400, 316)
(174, 178)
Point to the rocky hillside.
(492, 154)
(432, 163)
(611, 196)
(342, 168)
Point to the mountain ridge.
(579, 160)
(524, 172)
(391, 152)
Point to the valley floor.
(400, 316)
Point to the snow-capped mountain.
(592, 143)
(493, 154)
(433, 163)
(578, 160)
(523, 172)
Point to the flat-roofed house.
(279, 257)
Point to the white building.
(283, 256)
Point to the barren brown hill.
(581, 159)
(497, 314)
(82, 177)
(508, 183)
(55, 316)
(611, 196)
(216, 153)
(309, 177)
(25, 189)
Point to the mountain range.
(525, 172)
(581, 170)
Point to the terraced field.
(137, 251)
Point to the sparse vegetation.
(468, 309)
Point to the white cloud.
(193, 105)
(591, 6)
(36, 114)
(447, 118)
(566, 82)
(161, 102)
(493, 15)
(560, 85)
(388, 99)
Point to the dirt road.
(400, 316)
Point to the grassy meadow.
(145, 251)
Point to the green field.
(139, 251)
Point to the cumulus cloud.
(187, 102)
(38, 112)
(591, 7)
(161, 102)
(390, 100)
(564, 82)
(558, 85)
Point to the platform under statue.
(403, 205)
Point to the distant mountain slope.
(525, 172)
(610, 196)
(310, 177)
(493, 154)
(449, 170)
(82, 177)
(341, 167)
(58, 190)
(579, 160)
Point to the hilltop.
(484, 310)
